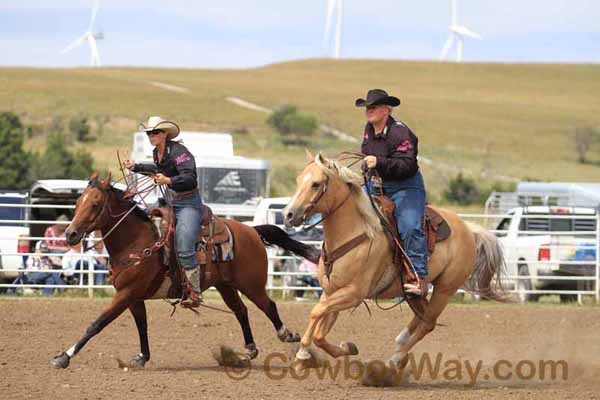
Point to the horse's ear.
(94, 176)
(322, 160)
(309, 156)
(106, 181)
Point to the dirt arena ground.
(33, 330)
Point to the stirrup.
(419, 288)
(192, 300)
(192, 294)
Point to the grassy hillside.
(509, 120)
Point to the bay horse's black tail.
(274, 235)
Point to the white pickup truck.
(10, 231)
(59, 194)
(545, 241)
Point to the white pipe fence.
(284, 274)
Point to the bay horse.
(101, 205)
(335, 191)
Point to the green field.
(510, 120)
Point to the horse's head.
(312, 194)
(91, 209)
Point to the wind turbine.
(337, 7)
(458, 33)
(90, 37)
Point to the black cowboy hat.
(376, 97)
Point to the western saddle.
(214, 247)
(434, 225)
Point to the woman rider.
(175, 167)
(391, 149)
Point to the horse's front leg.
(340, 300)
(120, 302)
(138, 310)
(319, 338)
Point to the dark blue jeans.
(45, 278)
(409, 197)
(99, 279)
(188, 214)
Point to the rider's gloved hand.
(128, 164)
(160, 179)
(370, 161)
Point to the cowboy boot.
(193, 292)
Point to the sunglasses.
(155, 132)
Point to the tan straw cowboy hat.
(157, 123)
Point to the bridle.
(315, 200)
(147, 252)
(87, 247)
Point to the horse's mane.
(334, 168)
(127, 202)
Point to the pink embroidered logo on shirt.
(404, 146)
(182, 158)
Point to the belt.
(182, 195)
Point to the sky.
(243, 33)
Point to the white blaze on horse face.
(84, 199)
(292, 203)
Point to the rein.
(357, 157)
(142, 194)
(329, 213)
(122, 215)
(398, 245)
(142, 191)
(156, 246)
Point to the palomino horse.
(101, 206)
(335, 191)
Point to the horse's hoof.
(289, 337)
(138, 361)
(310, 358)
(299, 365)
(350, 347)
(292, 338)
(251, 351)
(60, 361)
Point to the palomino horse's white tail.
(490, 265)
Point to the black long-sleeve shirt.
(396, 149)
(177, 163)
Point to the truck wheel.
(525, 284)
